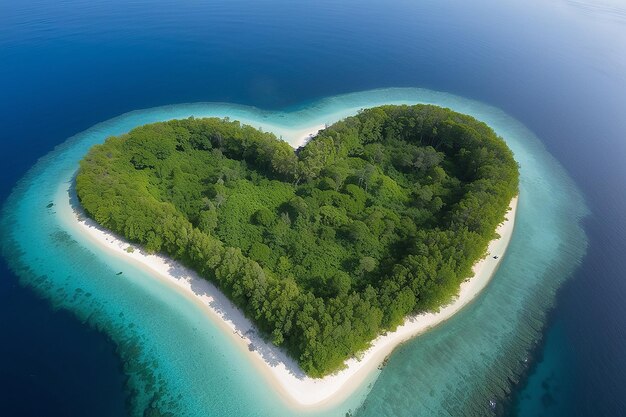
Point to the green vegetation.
(381, 215)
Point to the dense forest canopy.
(380, 215)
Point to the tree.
(207, 220)
(261, 253)
(219, 199)
(263, 217)
(285, 162)
(365, 175)
(367, 264)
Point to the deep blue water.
(557, 66)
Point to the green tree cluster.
(379, 216)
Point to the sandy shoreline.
(298, 390)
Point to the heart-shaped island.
(379, 216)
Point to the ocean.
(555, 71)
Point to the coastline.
(284, 375)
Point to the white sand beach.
(298, 390)
(302, 136)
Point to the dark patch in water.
(61, 237)
(142, 376)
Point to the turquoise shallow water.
(180, 362)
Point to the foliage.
(381, 215)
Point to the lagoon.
(179, 362)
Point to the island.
(377, 218)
